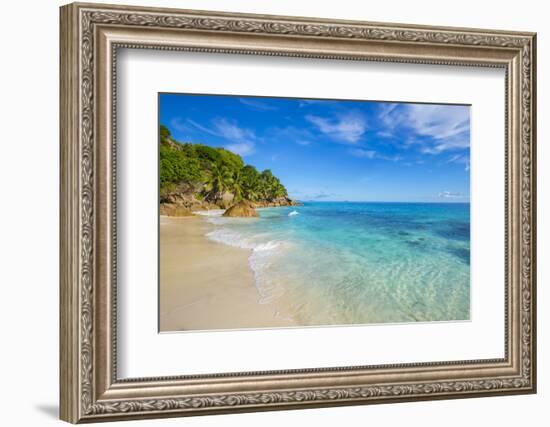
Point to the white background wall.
(29, 170)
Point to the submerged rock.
(241, 209)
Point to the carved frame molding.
(90, 37)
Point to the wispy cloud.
(307, 102)
(347, 128)
(440, 127)
(372, 154)
(294, 134)
(179, 125)
(238, 139)
(241, 148)
(202, 128)
(460, 159)
(384, 134)
(450, 195)
(385, 116)
(241, 140)
(362, 153)
(257, 105)
(449, 126)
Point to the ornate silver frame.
(90, 36)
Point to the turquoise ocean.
(336, 263)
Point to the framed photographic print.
(264, 212)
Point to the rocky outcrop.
(174, 210)
(226, 200)
(241, 209)
(184, 199)
(274, 203)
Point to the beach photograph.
(291, 212)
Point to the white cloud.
(454, 158)
(384, 134)
(257, 105)
(386, 117)
(440, 122)
(230, 130)
(290, 133)
(460, 159)
(371, 154)
(444, 127)
(361, 153)
(306, 102)
(450, 194)
(348, 128)
(242, 149)
(202, 128)
(240, 140)
(179, 125)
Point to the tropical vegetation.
(212, 172)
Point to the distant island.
(196, 177)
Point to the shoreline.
(207, 285)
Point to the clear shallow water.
(328, 263)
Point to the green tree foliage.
(250, 183)
(237, 185)
(176, 167)
(213, 170)
(271, 186)
(164, 132)
(218, 181)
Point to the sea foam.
(210, 213)
(259, 260)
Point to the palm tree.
(249, 180)
(280, 190)
(218, 182)
(253, 192)
(237, 185)
(272, 187)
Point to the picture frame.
(91, 35)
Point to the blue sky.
(336, 150)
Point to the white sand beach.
(207, 285)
